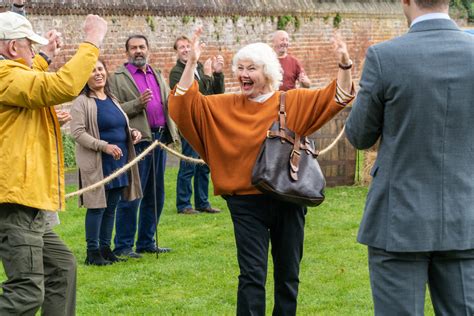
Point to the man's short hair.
(136, 36)
(431, 4)
(181, 38)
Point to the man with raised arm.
(211, 81)
(40, 270)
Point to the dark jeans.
(40, 269)
(259, 220)
(186, 172)
(399, 280)
(126, 221)
(100, 221)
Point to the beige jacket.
(89, 148)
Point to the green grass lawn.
(200, 276)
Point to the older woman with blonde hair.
(227, 131)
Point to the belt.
(158, 129)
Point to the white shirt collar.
(430, 16)
(262, 98)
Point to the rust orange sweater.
(227, 130)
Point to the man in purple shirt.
(143, 95)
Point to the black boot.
(94, 258)
(107, 254)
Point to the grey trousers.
(40, 269)
(399, 280)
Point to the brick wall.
(230, 25)
(362, 23)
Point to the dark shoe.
(130, 254)
(209, 210)
(188, 211)
(154, 250)
(107, 254)
(95, 258)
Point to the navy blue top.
(112, 129)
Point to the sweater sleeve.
(187, 112)
(308, 110)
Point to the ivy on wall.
(284, 20)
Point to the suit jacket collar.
(435, 24)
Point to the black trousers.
(259, 220)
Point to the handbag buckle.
(295, 152)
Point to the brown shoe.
(188, 211)
(209, 210)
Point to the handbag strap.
(306, 146)
(282, 112)
(303, 142)
(295, 159)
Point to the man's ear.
(11, 49)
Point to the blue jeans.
(186, 172)
(100, 221)
(126, 222)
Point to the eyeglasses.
(30, 44)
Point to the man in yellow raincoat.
(40, 269)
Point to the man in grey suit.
(416, 96)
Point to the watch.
(48, 60)
(346, 66)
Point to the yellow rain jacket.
(31, 154)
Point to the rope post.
(154, 198)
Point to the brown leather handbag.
(286, 166)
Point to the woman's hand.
(136, 136)
(187, 78)
(340, 49)
(344, 76)
(114, 151)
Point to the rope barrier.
(325, 150)
(130, 165)
(173, 152)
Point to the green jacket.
(207, 84)
(126, 91)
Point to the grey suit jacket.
(417, 95)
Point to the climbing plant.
(284, 20)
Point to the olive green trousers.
(40, 269)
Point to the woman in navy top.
(104, 143)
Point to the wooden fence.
(338, 164)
